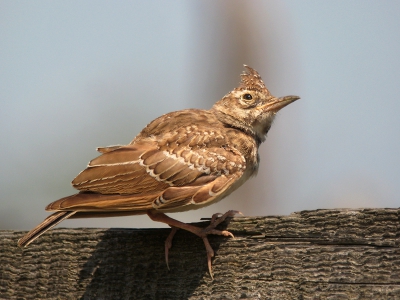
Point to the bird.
(181, 161)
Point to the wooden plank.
(343, 254)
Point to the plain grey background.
(76, 75)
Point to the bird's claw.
(216, 219)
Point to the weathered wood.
(335, 254)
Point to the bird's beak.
(278, 103)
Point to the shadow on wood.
(130, 264)
(311, 254)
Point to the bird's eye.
(247, 97)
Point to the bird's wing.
(124, 170)
(153, 175)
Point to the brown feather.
(101, 202)
(108, 149)
(47, 224)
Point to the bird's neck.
(230, 121)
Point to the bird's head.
(250, 107)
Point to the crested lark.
(182, 160)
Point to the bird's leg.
(168, 243)
(200, 232)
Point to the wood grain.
(321, 254)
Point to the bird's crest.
(251, 80)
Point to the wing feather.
(149, 175)
(101, 202)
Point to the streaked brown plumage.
(182, 160)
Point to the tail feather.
(47, 224)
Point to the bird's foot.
(216, 219)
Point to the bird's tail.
(47, 224)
